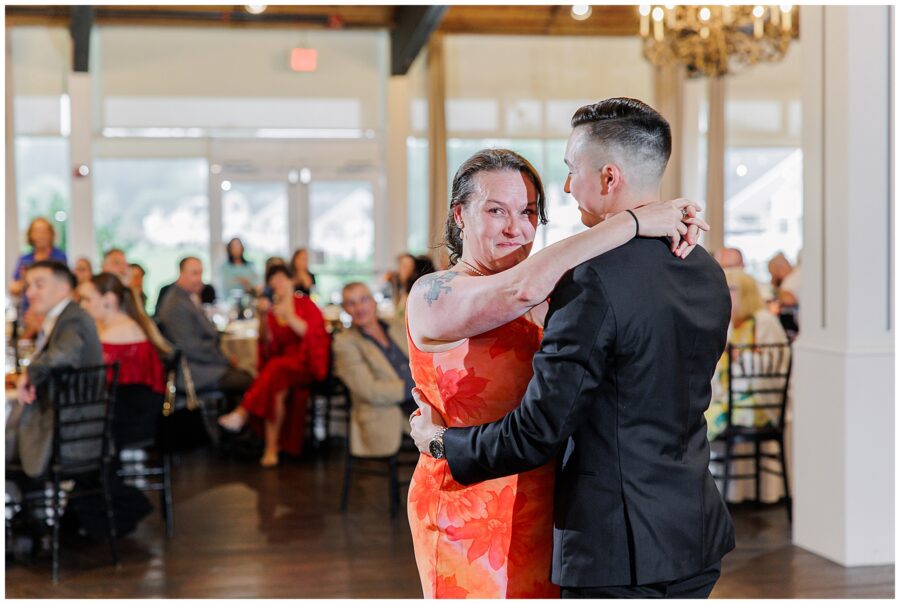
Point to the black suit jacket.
(620, 386)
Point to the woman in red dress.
(473, 331)
(294, 351)
(130, 337)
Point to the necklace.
(473, 269)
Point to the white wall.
(531, 85)
(844, 359)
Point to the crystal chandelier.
(715, 40)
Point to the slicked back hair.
(633, 128)
(465, 186)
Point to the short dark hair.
(634, 126)
(113, 250)
(185, 260)
(139, 267)
(278, 268)
(59, 270)
(465, 185)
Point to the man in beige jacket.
(372, 359)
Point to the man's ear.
(610, 179)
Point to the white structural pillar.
(12, 207)
(397, 131)
(81, 214)
(843, 470)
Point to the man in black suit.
(620, 386)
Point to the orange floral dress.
(493, 539)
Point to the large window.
(764, 163)
(418, 238)
(764, 204)
(256, 212)
(157, 211)
(43, 183)
(342, 234)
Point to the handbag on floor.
(182, 427)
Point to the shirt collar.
(53, 315)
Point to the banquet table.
(239, 341)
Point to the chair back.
(83, 411)
(758, 379)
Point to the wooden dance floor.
(243, 532)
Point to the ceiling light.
(580, 12)
(255, 9)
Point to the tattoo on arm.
(435, 285)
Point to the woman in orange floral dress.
(473, 331)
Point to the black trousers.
(697, 586)
(233, 385)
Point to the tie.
(41, 340)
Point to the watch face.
(436, 448)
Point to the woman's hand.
(676, 219)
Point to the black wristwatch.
(436, 446)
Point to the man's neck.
(371, 326)
(636, 200)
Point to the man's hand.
(425, 422)
(25, 390)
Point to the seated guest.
(207, 296)
(186, 326)
(729, 257)
(83, 270)
(114, 262)
(372, 359)
(132, 339)
(304, 281)
(399, 281)
(779, 267)
(137, 285)
(67, 338)
(751, 323)
(270, 262)
(293, 354)
(40, 236)
(237, 272)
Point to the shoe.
(269, 460)
(233, 422)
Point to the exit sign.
(304, 59)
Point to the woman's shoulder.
(124, 332)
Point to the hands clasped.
(424, 422)
(676, 219)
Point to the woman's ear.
(458, 216)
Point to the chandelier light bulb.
(786, 8)
(758, 12)
(705, 14)
(658, 14)
(226, 185)
(580, 12)
(644, 10)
